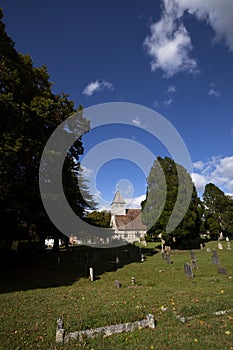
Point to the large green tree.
(218, 211)
(163, 184)
(29, 113)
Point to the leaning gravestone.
(188, 270)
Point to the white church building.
(126, 223)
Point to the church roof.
(131, 221)
(118, 199)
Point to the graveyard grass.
(28, 317)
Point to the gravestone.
(133, 281)
(188, 270)
(193, 259)
(222, 270)
(142, 258)
(215, 259)
(208, 250)
(168, 258)
(117, 284)
(220, 246)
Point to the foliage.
(163, 184)
(99, 218)
(218, 211)
(29, 113)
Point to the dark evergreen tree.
(29, 113)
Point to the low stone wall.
(106, 331)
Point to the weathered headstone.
(193, 259)
(228, 244)
(222, 270)
(168, 258)
(188, 270)
(117, 284)
(215, 260)
(60, 331)
(220, 246)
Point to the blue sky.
(172, 56)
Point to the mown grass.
(28, 317)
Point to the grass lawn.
(28, 315)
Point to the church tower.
(118, 205)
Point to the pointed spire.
(118, 199)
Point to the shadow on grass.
(49, 269)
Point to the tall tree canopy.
(30, 112)
(218, 211)
(162, 190)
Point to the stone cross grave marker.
(188, 270)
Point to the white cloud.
(217, 13)
(216, 170)
(168, 102)
(169, 43)
(135, 203)
(199, 165)
(171, 89)
(87, 172)
(213, 92)
(200, 181)
(136, 121)
(97, 86)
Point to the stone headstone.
(168, 258)
(142, 258)
(228, 245)
(220, 246)
(117, 284)
(194, 263)
(193, 255)
(201, 246)
(133, 281)
(215, 260)
(222, 270)
(208, 250)
(193, 259)
(188, 270)
(163, 256)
